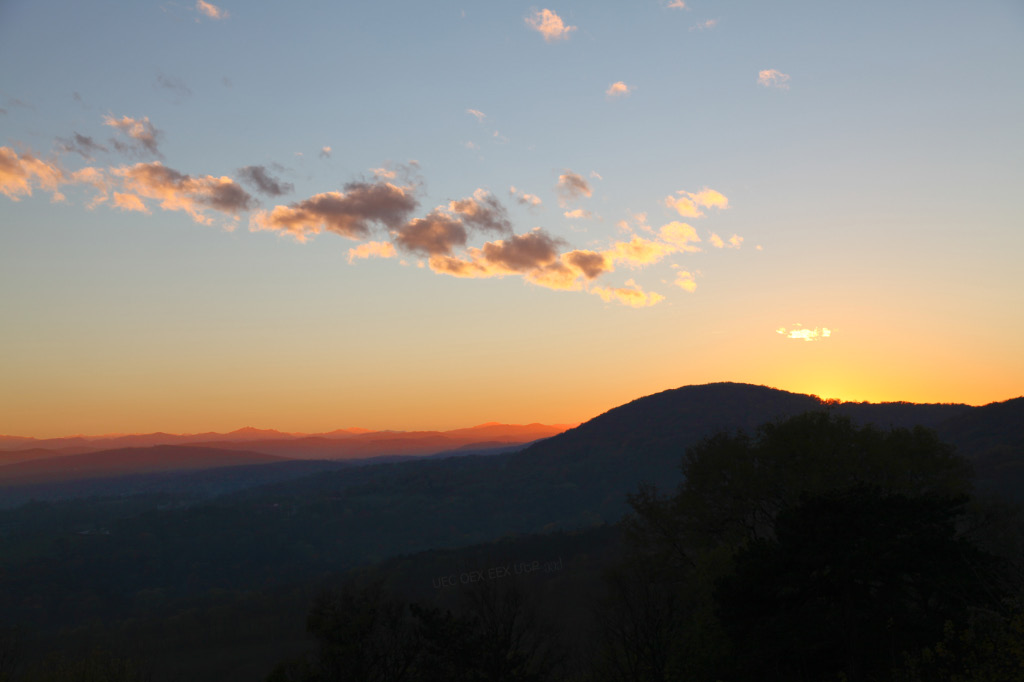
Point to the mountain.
(159, 458)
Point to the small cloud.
(264, 182)
(175, 85)
(688, 204)
(686, 281)
(480, 116)
(383, 173)
(81, 144)
(211, 11)
(18, 174)
(578, 214)
(631, 295)
(472, 145)
(638, 252)
(618, 89)
(770, 78)
(142, 132)
(325, 152)
(704, 25)
(177, 191)
(596, 175)
(549, 25)
(372, 250)
(530, 200)
(734, 242)
(799, 332)
(482, 211)
(572, 186)
(677, 4)
(680, 235)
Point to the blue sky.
(849, 223)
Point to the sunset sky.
(411, 215)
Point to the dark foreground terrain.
(786, 539)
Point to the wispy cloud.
(734, 242)
(578, 214)
(799, 332)
(264, 182)
(689, 204)
(677, 4)
(549, 25)
(82, 145)
(770, 78)
(572, 186)
(482, 211)
(524, 198)
(211, 11)
(704, 25)
(618, 89)
(19, 173)
(631, 294)
(178, 191)
(142, 134)
(175, 85)
(372, 250)
(479, 115)
(325, 152)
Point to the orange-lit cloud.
(704, 25)
(349, 213)
(770, 78)
(618, 89)
(264, 182)
(590, 264)
(686, 281)
(638, 252)
(435, 235)
(325, 152)
(212, 11)
(680, 235)
(572, 186)
(482, 211)
(631, 295)
(677, 4)
(689, 204)
(549, 25)
(734, 242)
(180, 192)
(578, 214)
(129, 202)
(142, 133)
(524, 198)
(479, 115)
(372, 250)
(18, 174)
(800, 332)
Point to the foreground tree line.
(810, 550)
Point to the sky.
(426, 215)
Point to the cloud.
(704, 25)
(572, 186)
(130, 202)
(680, 235)
(212, 11)
(770, 78)
(689, 204)
(618, 89)
(799, 332)
(142, 133)
(372, 250)
(686, 281)
(82, 145)
(734, 242)
(264, 182)
(177, 191)
(347, 213)
(18, 174)
(549, 25)
(383, 173)
(590, 264)
(175, 85)
(482, 211)
(436, 235)
(325, 152)
(677, 4)
(638, 252)
(480, 116)
(522, 252)
(631, 295)
(578, 214)
(524, 198)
